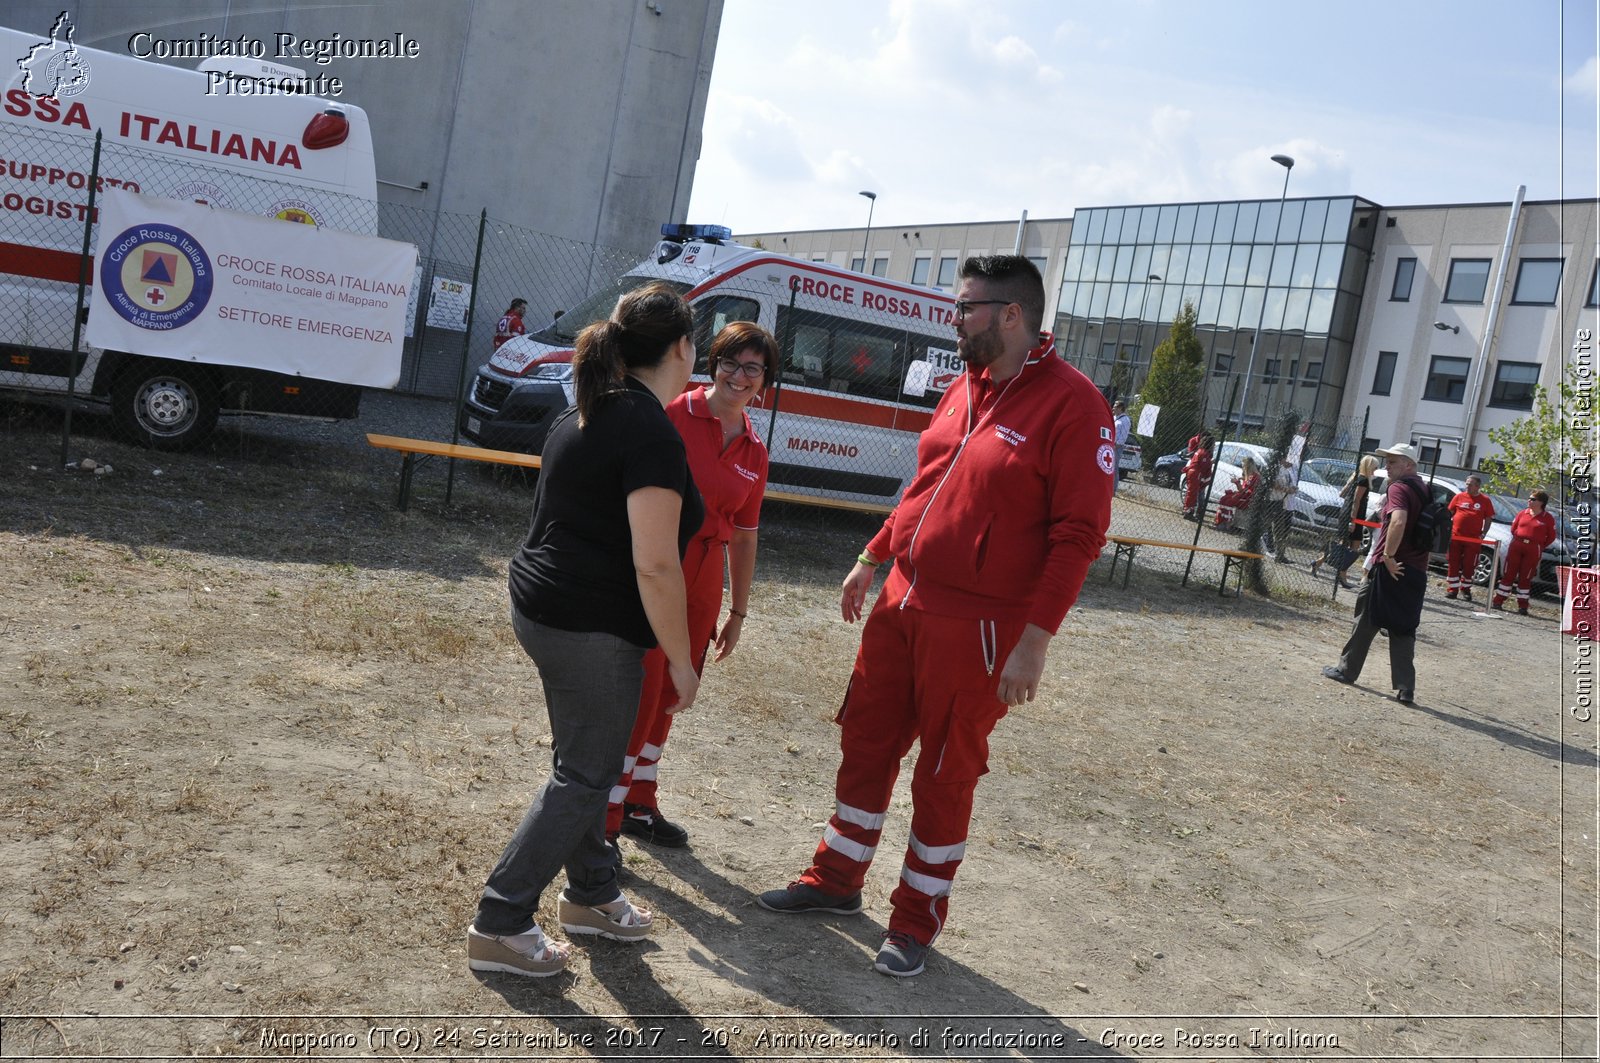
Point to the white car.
(1226, 469)
(1316, 503)
(1130, 457)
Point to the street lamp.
(1149, 282)
(872, 202)
(1442, 327)
(1255, 344)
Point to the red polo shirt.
(1470, 514)
(731, 481)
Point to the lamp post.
(1255, 344)
(872, 202)
(1442, 327)
(1149, 280)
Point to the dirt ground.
(262, 737)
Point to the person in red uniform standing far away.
(1531, 531)
(510, 323)
(986, 552)
(1470, 513)
(729, 464)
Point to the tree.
(1175, 383)
(1534, 450)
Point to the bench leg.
(1125, 551)
(407, 464)
(1228, 564)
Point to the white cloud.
(1585, 81)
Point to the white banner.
(202, 284)
(448, 304)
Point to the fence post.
(466, 348)
(77, 319)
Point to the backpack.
(1434, 515)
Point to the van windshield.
(563, 331)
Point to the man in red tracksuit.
(990, 546)
(1470, 513)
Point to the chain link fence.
(863, 362)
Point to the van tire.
(164, 405)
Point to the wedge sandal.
(625, 923)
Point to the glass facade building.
(1296, 274)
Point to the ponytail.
(597, 366)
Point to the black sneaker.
(1336, 674)
(901, 955)
(648, 825)
(1405, 696)
(797, 897)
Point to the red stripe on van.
(851, 411)
(23, 261)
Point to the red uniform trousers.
(1522, 563)
(703, 566)
(918, 677)
(1463, 558)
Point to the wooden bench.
(417, 451)
(1128, 546)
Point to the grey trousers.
(1402, 648)
(591, 687)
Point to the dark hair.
(1543, 497)
(739, 336)
(644, 325)
(517, 304)
(1015, 278)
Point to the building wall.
(579, 118)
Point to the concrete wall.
(579, 118)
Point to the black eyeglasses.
(964, 306)
(753, 370)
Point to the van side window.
(855, 358)
(711, 316)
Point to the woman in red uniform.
(729, 463)
(1531, 531)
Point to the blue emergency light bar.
(709, 233)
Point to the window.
(1269, 375)
(1538, 280)
(1513, 385)
(858, 264)
(1313, 373)
(1447, 379)
(713, 315)
(1428, 455)
(880, 266)
(947, 272)
(1405, 271)
(1224, 363)
(1039, 263)
(1383, 379)
(1468, 279)
(1594, 285)
(919, 269)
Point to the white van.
(864, 361)
(291, 156)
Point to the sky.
(978, 110)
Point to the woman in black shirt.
(598, 582)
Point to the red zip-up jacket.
(1003, 519)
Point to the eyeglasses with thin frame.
(751, 370)
(964, 306)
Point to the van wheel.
(164, 407)
(1483, 571)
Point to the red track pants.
(917, 677)
(1522, 562)
(703, 565)
(1463, 558)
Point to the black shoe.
(1467, 595)
(797, 897)
(1347, 585)
(1452, 594)
(1335, 673)
(1404, 696)
(1522, 610)
(901, 955)
(648, 825)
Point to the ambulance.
(170, 132)
(864, 361)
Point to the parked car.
(1226, 468)
(1131, 458)
(1167, 468)
(1316, 503)
(1506, 508)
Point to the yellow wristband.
(865, 560)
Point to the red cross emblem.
(155, 296)
(861, 360)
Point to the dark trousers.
(1402, 648)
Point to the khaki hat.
(1401, 450)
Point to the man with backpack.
(1397, 576)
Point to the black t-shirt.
(575, 571)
